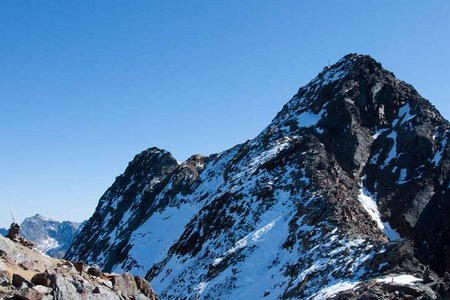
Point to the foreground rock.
(50, 278)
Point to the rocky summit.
(344, 195)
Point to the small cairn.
(14, 235)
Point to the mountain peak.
(353, 64)
(152, 152)
(342, 187)
(355, 57)
(40, 217)
(357, 86)
(151, 158)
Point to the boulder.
(28, 294)
(95, 271)
(18, 281)
(27, 265)
(5, 278)
(63, 289)
(79, 266)
(41, 279)
(42, 289)
(125, 285)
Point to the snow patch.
(201, 287)
(370, 205)
(250, 239)
(48, 244)
(400, 279)
(393, 152)
(402, 176)
(438, 155)
(379, 132)
(405, 113)
(334, 289)
(309, 119)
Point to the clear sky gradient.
(86, 85)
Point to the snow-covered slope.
(341, 188)
(49, 236)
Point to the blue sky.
(86, 85)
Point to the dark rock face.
(348, 184)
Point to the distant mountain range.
(49, 236)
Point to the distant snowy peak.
(39, 217)
(49, 236)
(348, 185)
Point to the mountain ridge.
(357, 162)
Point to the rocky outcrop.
(348, 185)
(27, 274)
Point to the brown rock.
(18, 281)
(42, 279)
(27, 265)
(25, 242)
(65, 265)
(95, 271)
(79, 266)
(96, 290)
